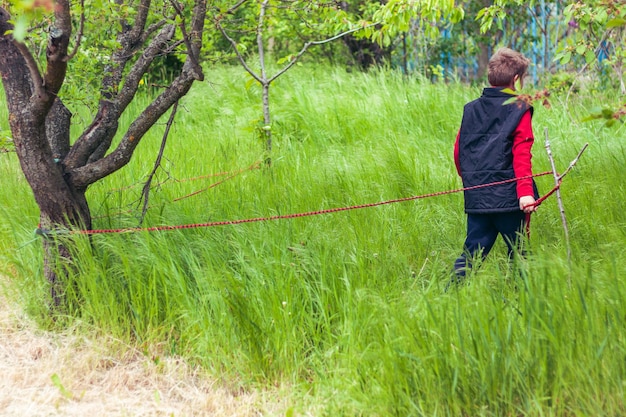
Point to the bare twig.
(81, 29)
(186, 38)
(242, 60)
(235, 7)
(145, 192)
(320, 42)
(574, 162)
(557, 182)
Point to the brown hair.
(504, 65)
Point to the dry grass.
(51, 374)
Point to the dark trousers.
(482, 232)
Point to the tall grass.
(347, 309)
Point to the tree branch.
(82, 176)
(239, 56)
(259, 40)
(81, 29)
(32, 66)
(56, 52)
(145, 192)
(140, 22)
(235, 6)
(186, 38)
(141, 66)
(557, 182)
(311, 43)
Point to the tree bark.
(40, 124)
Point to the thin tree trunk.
(267, 121)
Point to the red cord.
(312, 213)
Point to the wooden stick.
(574, 162)
(557, 181)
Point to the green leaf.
(57, 383)
(590, 56)
(510, 101)
(601, 16)
(251, 81)
(607, 113)
(20, 28)
(618, 21)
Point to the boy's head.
(505, 67)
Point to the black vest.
(486, 151)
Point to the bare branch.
(259, 39)
(145, 192)
(195, 37)
(574, 162)
(239, 56)
(33, 69)
(139, 68)
(557, 182)
(81, 29)
(150, 30)
(186, 38)
(311, 43)
(235, 7)
(140, 20)
(56, 52)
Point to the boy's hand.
(527, 204)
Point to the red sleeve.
(456, 154)
(523, 140)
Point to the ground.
(52, 374)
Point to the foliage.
(27, 11)
(99, 28)
(598, 32)
(6, 142)
(397, 16)
(596, 38)
(285, 26)
(609, 115)
(601, 38)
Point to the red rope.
(313, 213)
(538, 202)
(231, 174)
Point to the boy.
(494, 144)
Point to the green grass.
(348, 309)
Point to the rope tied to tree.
(47, 233)
(558, 181)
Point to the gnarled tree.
(59, 170)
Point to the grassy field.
(346, 311)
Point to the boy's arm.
(457, 162)
(523, 140)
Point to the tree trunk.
(40, 128)
(483, 61)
